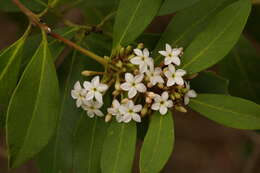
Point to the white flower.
(130, 111)
(171, 55)
(154, 75)
(133, 84)
(95, 89)
(92, 108)
(162, 103)
(142, 59)
(189, 94)
(115, 110)
(78, 93)
(174, 76)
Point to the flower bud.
(160, 85)
(119, 64)
(117, 85)
(125, 100)
(180, 109)
(122, 52)
(129, 49)
(140, 46)
(144, 111)
(172, 96)
(91, 73)
(150, 94)
(177, 95)
(136, 71)
(108, 118)
(116, 93)
(149, 85)
(148, 100)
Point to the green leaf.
(218, 38)
(10, 60)
(119, 148)
(209, 82)
(35, 5)
(33, 110)
(172, 6)
(132, 18)
(187, 24)
(88, 144)
(241, 67)
(158, 143)
(227, 110)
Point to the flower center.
(162, 102)
(133, 84)
(130, 111)
(94, 89)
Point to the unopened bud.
(129, 49)
(144, 111)
(172, 96)
(140, 46)
(117, 85)
(130, 56)
(106, 57)
(108, 118)
(119, 64)
(116, 93)
(151, 95)
(91, 73)
(148, 100)
(136, 72)
(149, 85)
(125, 101)
(177, 95)
(122, 52)
(160, 85)
(180, 109)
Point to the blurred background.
(201, 145)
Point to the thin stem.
(107, 18)
(35, 20)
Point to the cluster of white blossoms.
(139, 90)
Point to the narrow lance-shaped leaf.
(33, 109)
(187, 24)
(241, 67)
(218, 38)
(209, 82)
(227, 110)
(132, 18)
(10, 60)
(119, 148)
(158, 143)
(172, 6)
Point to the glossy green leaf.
(172, 6)
(119, 148)
(158, 143)
(10, 60)
(241, 67)
(33, 110)
(187, 24)
(211, 45)
(227, 110)
(89, 139)
(132, 18)
(209, 82)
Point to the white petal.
(125, 86)
(136, 60)
(87, 85)
(159, 79)
(163, 110)
(127, 118)
(137, 118)
(132, 92)
(180, 72)
(155, 106)
(170, 103)
(171, 68)
(90, 95)
(187, 84)
(138, 52)
(78, 103)
(157, 70)
(141, 87)
(139, 78)
(179, 80)
(146, 52)
(137, 108)
(176, 51)
(74, 94)
(102, 87)
(163, 53)
(176, 60)
(91, 114)
(192, 94)
(95, 81)
(168, 48)
(119, 118)
(168, 74)
(98, 113)
(165, 95)
(143, 68)
(170, 82)
(115, 103)
(167, 60)
(99, 97)
(129, 77)
(186, 100)
(77, 86)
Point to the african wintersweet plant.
(83, 109)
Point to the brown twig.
(36, 21)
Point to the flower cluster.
(140, 87)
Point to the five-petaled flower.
(133, 84)
(190, 94)
(92, 107)
(154, 75)
(78, 93)
(171, 55)
(115, 110)
(162, 103)
(130, 111)
(95, 89)
(142, 59)
(174, 76)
